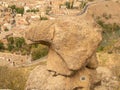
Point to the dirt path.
(88, 5)
(36, 62)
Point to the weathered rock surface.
(41, 31)
(73, 42)
(41, 79)
(108, 80)
(56, 64)
(71, 61)
(93, 63)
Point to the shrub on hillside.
(15, 43)
(69, 5)
(10, 47)
(111, 32)
(6, 30)
(43, 18)
(39, 51)
(10, 40)
(83, 4)
(19, 10)
(26, 50)
(33, 10)
(19, 42)
(1, 46)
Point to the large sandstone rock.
(73, 42)
(41, 31)
(41, 79)
(71, 61)
(93, 63)
(56, 64)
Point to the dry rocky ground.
(109, 69)
(19, 80)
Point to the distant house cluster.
(13, 60)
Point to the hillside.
(106, 14)
(80, 39)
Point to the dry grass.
(14, 78)
(111, 61)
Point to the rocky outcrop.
(41, 79)
(108, 80)
(71, 61)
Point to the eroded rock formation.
(71, 62)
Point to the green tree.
(20, 10)
(1, 45)
(17, 9)
(67, 5)
(10, 47)
(12, 7)
(10, 40)
(19, 42)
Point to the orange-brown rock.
(71, 60)
(73, 42)
(41, 79)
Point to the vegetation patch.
(69, 5)
(43, 18)
(39, 51)
(1, 46)
(6, 30)
(14, 78)
(19, 10)
(15, 43)
(19, 46)
(111, 33)
(33, 10)
(83, 4)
